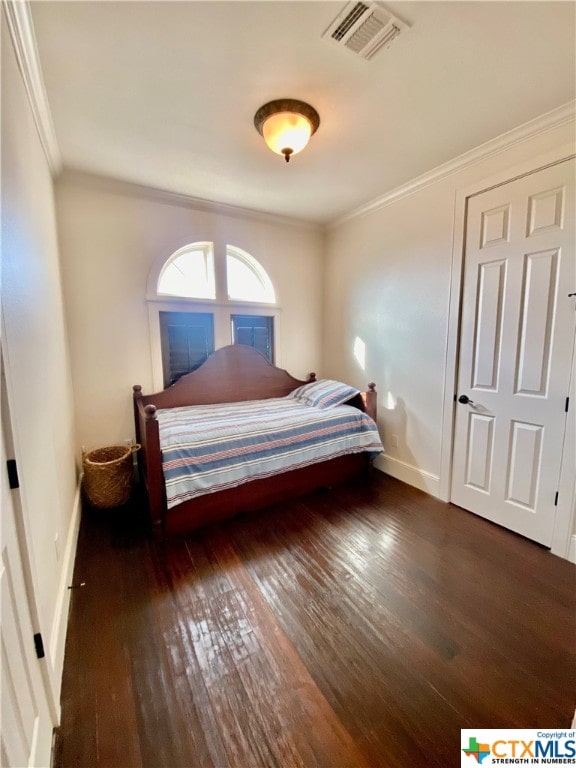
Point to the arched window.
(207, 297)
(189, 273)
(247, 279)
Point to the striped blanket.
(209, 448)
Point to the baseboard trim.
(60, 625)
(572, 551)
(410, 474)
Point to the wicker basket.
(108, 475)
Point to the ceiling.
(164, 93)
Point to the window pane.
(189, 274)
(247, 280)
(255, 331)
(187, 340)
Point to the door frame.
(564, 521)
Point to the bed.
(191, 470)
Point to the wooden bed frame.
(231, 374)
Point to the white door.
(26, 726)
(516, 346)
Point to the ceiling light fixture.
(286, 125)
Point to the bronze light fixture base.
(286, 105)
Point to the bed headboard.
(231, 374)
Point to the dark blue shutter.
(256, 331)
(187, 339)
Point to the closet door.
(516, 346)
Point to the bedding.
(207, 448)
(324, 393)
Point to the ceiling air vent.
(364, 28)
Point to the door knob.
(465, 400)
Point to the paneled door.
(516, 346)
(27, 725)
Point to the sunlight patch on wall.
(389, 401)
(360, 352)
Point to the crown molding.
(549, 121)
(120, 186)
(21, 28)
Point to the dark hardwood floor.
(360, 627)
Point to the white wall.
(35, 351)
(111, 235)
(388, 275)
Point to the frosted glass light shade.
(286, 125)
(287, 131)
